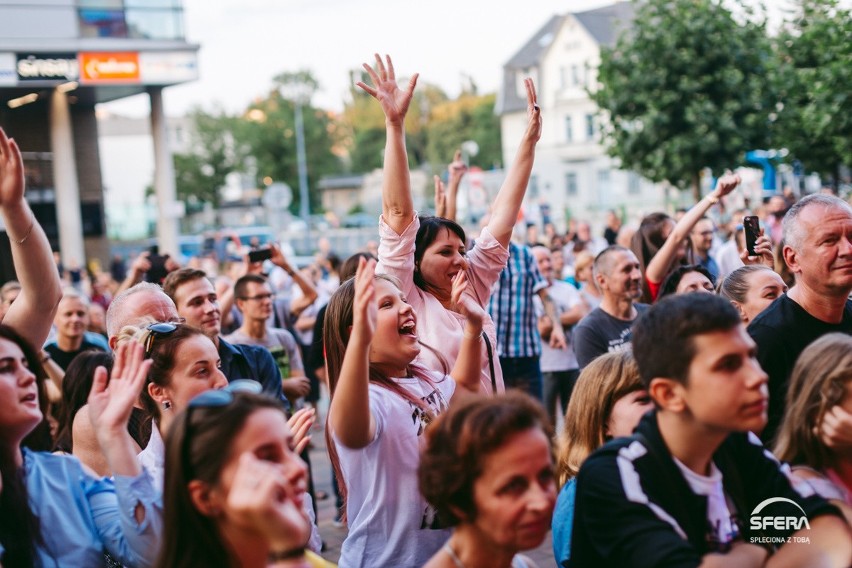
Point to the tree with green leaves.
(267, 133)
(815, 83)
(200, 173)
(364, 125)
(686, 87)
(469, 117)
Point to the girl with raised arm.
(381, 403)
(426, 254)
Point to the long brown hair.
(191, 538)
(820, 379)
(600, 385)
(20, 531)
(336, 329)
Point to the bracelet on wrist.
(472, 335)
(29, 231)
(278, 555)
(713, 199)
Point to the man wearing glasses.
(254, 298)
(196, 300)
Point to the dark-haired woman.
(487, 470)
(426, 254)
(52, 513)
(234, 486)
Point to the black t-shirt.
(64, 358)
(782, 331)
(600, 333)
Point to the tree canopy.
(815, 85)
(686, 88)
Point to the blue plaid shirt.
(511, 304)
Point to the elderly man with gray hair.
(818, 251)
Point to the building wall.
(572, 172)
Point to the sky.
(244, 43)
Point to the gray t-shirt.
(600, 333)
(280, 344)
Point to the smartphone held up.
(751, 227)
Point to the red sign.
(121, 67)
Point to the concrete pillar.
(65, 179)
(164, 178)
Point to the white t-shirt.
(721, 531)
(390, 524)
(565, 297)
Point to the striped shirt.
(511, 304)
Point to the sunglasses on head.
(212, 399)
(160, 329)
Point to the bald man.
(607, 328)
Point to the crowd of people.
(658, 395)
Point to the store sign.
(109, 67)
(47, 67)
(8, 70)
(163, 68)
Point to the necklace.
(456, 560)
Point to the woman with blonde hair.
(607, 403)
(589, 291)
(820, 386)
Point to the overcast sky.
(244, 43)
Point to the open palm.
(110, 403)
(394, 101)
(11, 171)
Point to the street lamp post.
(298, 90)
(302, 164)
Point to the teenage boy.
(694, 486)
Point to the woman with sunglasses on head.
(234, 486)
(53, 513)
(185, 363)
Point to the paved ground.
(333, 536)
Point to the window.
(563, 77)
(102, 23)
(148, 19)
(634, 183)
(569, 133)
(575, 75)
(603, 183)
(571, 183)
(590, 127)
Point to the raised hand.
(440, 198)
(533, 132)
(11, 172)
(364, 309)
(763, 248)
(726, 184)
(110, 403)
(465, 304)
(457, 168)
(300, 425)
(263, 500)
(394, 100)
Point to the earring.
(167, 405)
